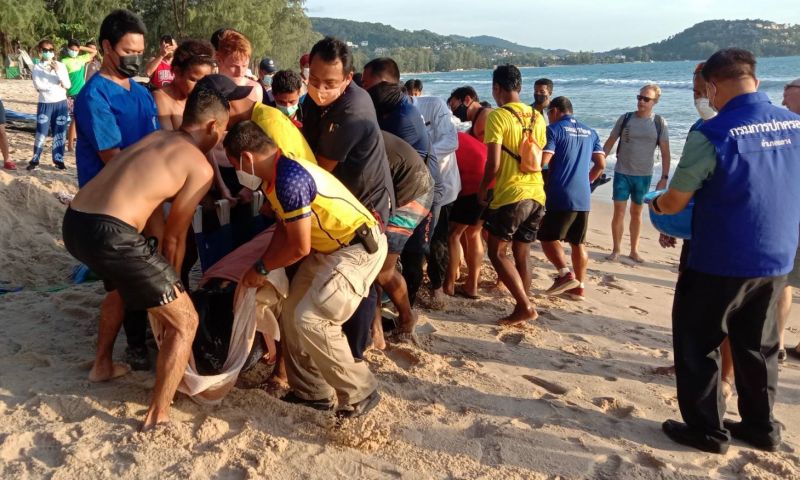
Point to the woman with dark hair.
(51, 79)
(192, 60)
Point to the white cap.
(793, 83)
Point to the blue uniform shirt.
(746, 216)
(572, 145)
(108, 116)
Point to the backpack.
(626, 118)
(530, 153)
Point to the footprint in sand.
(551, 387)
(640, 311)
(612, 406)
(607, 467)
(511, 338)
(405, 359)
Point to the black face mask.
(540, 99)
(461, 112)
(129, 65)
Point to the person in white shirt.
(444, 142)
(51, 80)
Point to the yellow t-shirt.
(302, 189)
(283, 132)
(503, 128)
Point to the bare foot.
(406, 337)
(636, 257)
(449, 290)
(727, 389)
(408, 327)
(378, 341)
(520, 316)
(153, 420)
(438, 300)
(613, 257)
(664, 370)
(103, 374)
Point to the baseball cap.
(793, 83)
(225, 86)
(267, 65)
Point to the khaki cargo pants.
(324, 293)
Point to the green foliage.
(763, 38)
(276, 28)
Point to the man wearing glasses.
(639, 134)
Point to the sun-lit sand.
(572, 395)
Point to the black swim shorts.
(121, 256)
(566, 225)
(517, 222)
(467, 210)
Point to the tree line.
(278, 29)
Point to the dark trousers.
(51, 118)
(135, 325)
(413, 256)
(706, 309)
(358, 328)
(439, 253)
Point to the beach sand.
(569, 396)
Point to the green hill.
(763, 38)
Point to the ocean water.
(601, 93)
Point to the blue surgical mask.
(72, 53)
(47, 56)
(289, 111)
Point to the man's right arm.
(697, 164)
(182, 212)
(152, 65)
(613, 136)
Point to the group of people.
(368, 181)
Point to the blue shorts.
(631, 186)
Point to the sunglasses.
(48, 49)
(644, 99)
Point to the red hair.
(234, 43)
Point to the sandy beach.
(572, 395)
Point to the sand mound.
(33, 254)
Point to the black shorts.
(122, 257)
(467, 210)
(516, 222)
(565, 225)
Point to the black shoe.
(324, 405)
(761, 441)
(685, 435)
(360, 408)
(137, 358)
(782, 356)
(32, 166)
(60, 166)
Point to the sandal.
(9, 165)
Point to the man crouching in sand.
(102, 228)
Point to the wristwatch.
(260, 268)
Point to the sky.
(595, 25)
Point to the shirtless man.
(102, 228)
(192, 61)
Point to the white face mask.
(248, 180)
(703, 107)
